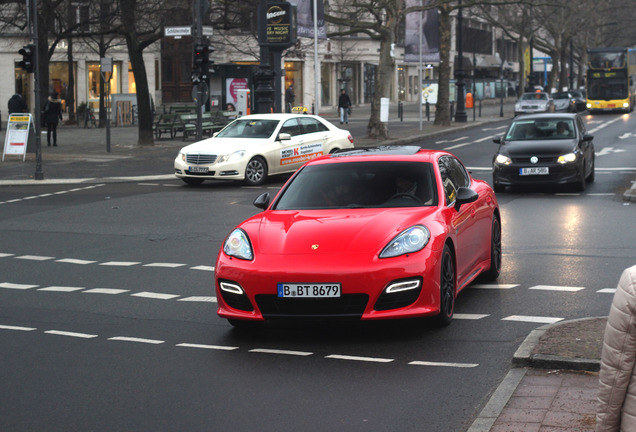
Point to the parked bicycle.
(89, 118)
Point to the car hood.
(538, 147)
(222, 145)
(364, 231)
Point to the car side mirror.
(262, 201)
(464, 196)
(588, 137)
(284, 136)
(497, 140)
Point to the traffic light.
(201, 54)
(201, 62)
(28, 58)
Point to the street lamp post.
(460, 114)
(503, 89)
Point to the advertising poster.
(426, 24)
(232, 86)
(305, 18)
(17, 137)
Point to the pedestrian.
(17, 104)
(52, 113)
(617, 393)
(344, 106)
(290, 97)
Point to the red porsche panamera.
(366, 234)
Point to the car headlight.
(517, 106)
(408, 241)
(503, 160)
(232, 157)
(182, 156)
(567, 158)
(237, 245)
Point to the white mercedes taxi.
(255, 146)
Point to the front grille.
(346, 306)
(542, 159)
(200, 158)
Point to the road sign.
(206, 30)
(177, 31)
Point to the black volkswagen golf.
(544, 149)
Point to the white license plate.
(534, 171)
(296, 290)
(199, 169)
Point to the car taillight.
(350, 139)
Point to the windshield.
(377, 184)
(534, 96)
(543, 129)
(607, 89)
(249, 128)
(561, 96)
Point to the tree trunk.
(442, 109)
(128, 10)
(384, 78)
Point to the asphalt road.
(107, 312)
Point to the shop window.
(93, 81)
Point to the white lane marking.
(495, 128)
(204, 268)
(601, 194)
(71, 334)
(556, 288)
(155, 295)
(120, 263)
(479, 168)
(199, 299)
(138, 340)
(453, 140)
(212, 347)
(607, 291)
(17, 328)
(75, 261)
(469, 316)
(4, 255)
(61, 288)
(10, 285)
(109, 291)
(493, 286)
(444, 364)
(603, 125)
(357, 358)
(168, 265)
(49, 194)
(456, 146)
(532, 319)
(34, 257)
(283, 352)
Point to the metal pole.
(474, 82)
(419, 84)
(199, 40)
(501, 114)
(316, 62)
(460, 114)
(39, 175)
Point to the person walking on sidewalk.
(52, 114)
(344, 105)
(290, 97)
(617, 377)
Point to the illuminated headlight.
(408, 241)
(238, 245)
(625, 104)
(232, 157)
(567, 158)
(503, 160)
(588, 105)
(403, 286)
(518, 106)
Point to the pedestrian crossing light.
(201, 54)
(28, 58)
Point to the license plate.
(199, 169)
(296, 290)
(534, 171)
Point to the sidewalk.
(552, 384)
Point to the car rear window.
(375, 184)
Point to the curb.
(523, 357)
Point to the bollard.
(428, 111)
(452, 110)
(479, 107)
(400, 111)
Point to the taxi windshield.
(249, 128)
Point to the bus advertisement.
(611, 79)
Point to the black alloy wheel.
(495, 251)
(447, 288)
(255, 171)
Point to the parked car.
(365, 234)
(253, 147)
(535, 102)
(544, 149)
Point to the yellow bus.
(611, 79)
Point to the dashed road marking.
(71, 334)
(9, 285)
(61, 289)
(494, 286)
(532, 319)
(108, 291)
(135, 339)
(282, 352)
(556, 288)
(358, 358)
(155, 295)
(462, 316)
(444, 364)
(120, 263)
(28, 198)
(211, 347)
